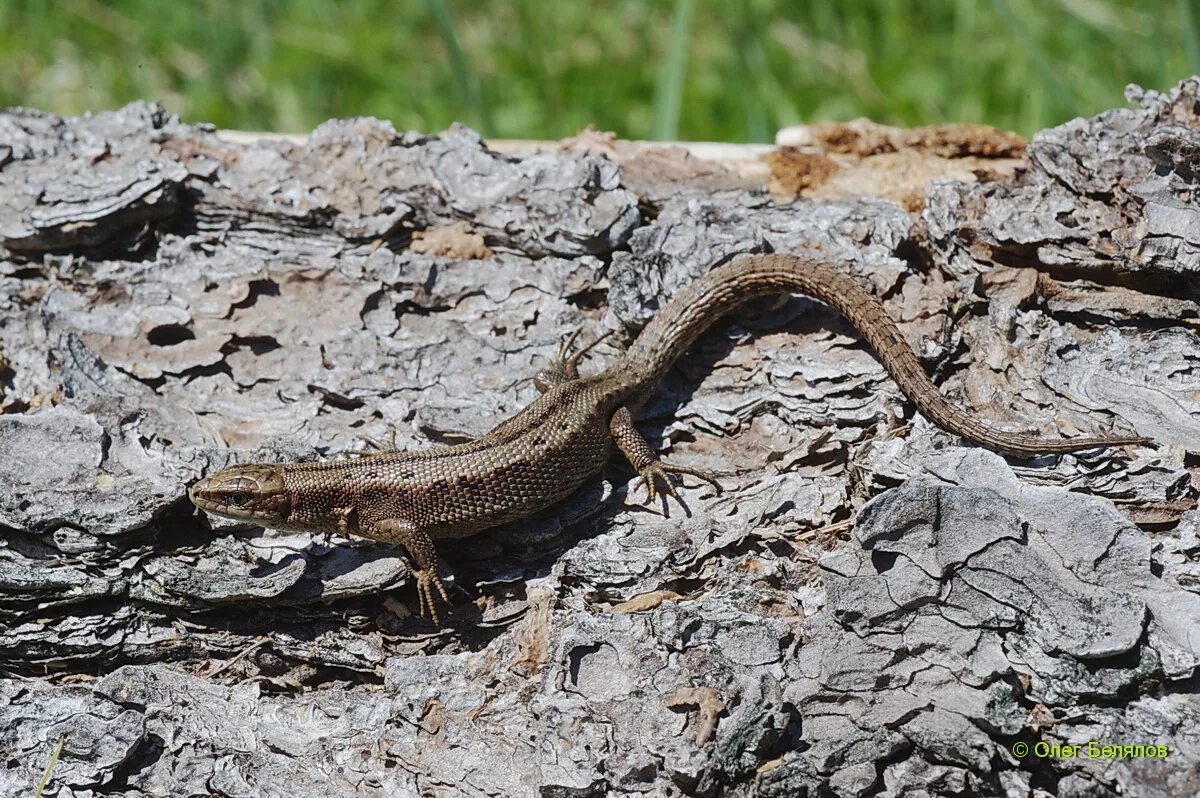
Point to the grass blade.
(41, 785)
(668, 97)
(464, 74)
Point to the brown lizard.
(545, 452)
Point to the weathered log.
(171, 302)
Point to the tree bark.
(872, 606)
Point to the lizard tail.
(694, 309)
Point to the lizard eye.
(238, 499)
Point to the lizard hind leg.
(565, 365)
(652, 470)
(424, 558)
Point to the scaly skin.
(546, 451)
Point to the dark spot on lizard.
(472, 484)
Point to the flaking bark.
(171, 303)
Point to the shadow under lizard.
(547, 450)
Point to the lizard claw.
(565, 345)
(659, 472)
(375, 445)
(378, 445)
(428, 580)
(565, 365)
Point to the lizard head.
(245, 493)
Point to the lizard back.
(537, 457)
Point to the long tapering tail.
(721, 290)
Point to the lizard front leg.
(646, 462)
(424, 556)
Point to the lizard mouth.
(208, 497)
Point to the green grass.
(691, 69)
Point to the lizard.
(547, 450)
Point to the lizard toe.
(427, 582)
(666, 475)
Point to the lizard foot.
(565, 365)
(376, 446)
(379, 445)
(427, 581)
(659, 471)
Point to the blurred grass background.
(689, 69)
